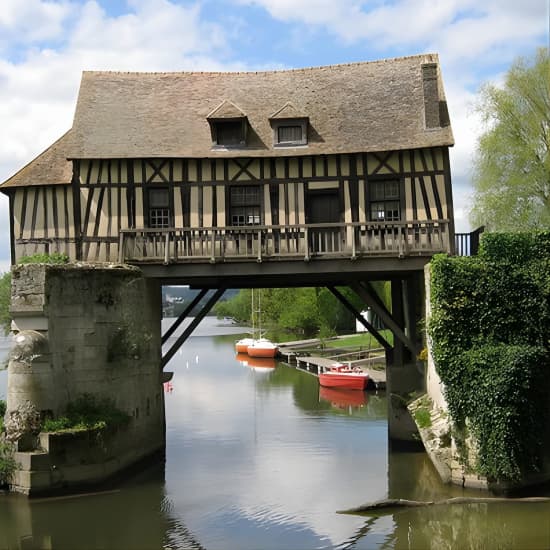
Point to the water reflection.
(503, 526)
(259, 364)
(347, 400)
(261, 458)
(137, 516)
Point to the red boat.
(341, 376)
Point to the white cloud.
(467, 25)
(38, 93)
(474, 41)
(23, 21)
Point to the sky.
(46, 44)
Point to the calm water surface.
(259, 458)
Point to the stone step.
(33, 460)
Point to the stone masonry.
(80, 329)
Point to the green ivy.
(54, 258)
(489, 329)
(86, 413)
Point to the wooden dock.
(313, 365)
(311, 357)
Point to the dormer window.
(229, 132)
(289, 127)
(290, 134)
(228, 126)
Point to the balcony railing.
(303, 242)
(467, 244)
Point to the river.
(260, 459)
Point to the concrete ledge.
(33, 460)
(71, 468)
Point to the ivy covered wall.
(490, 331)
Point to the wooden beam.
(183, 315)
(367, 293)
(189, 330)
(379, 338)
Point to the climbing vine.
(490, 330)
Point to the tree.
(312, 311)
(512, 164)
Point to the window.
(245, 205)
(228, 125)
(229, 132)
(385, 204)
(290, 133)
(159, 208)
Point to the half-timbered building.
(325, 176)
(169, 169)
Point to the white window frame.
(301, 122)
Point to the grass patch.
(87, 413)
(423, 418)
(363, 339)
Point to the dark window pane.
(392, 190)
(245, 205)
(229, 133)
(377, 191)
(159, 217)
(158, 198)
(384, 201)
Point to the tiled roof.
(372, 106)
(287, 111)
(369, 106)
(49, 168)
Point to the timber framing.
(106, 198)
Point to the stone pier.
(83, 329)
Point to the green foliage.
(365, 340)
(87, 413)
(512, 166)
(505, 399)
(489, 328)
(423, 418)
(7, 461)
(54, 258)
(5, 301)
(8, 465)
(310, 311)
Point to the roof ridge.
(290, 70)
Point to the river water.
(259, 458)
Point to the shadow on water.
(136, 514)
(480, 526)
(503, 526)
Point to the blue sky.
(46, 44)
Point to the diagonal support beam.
(366, 292)
(379, 338)
(183, 315)
(192, 326)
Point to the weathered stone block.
(99, 320)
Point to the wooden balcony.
(284, 242)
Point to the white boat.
(263, 348)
